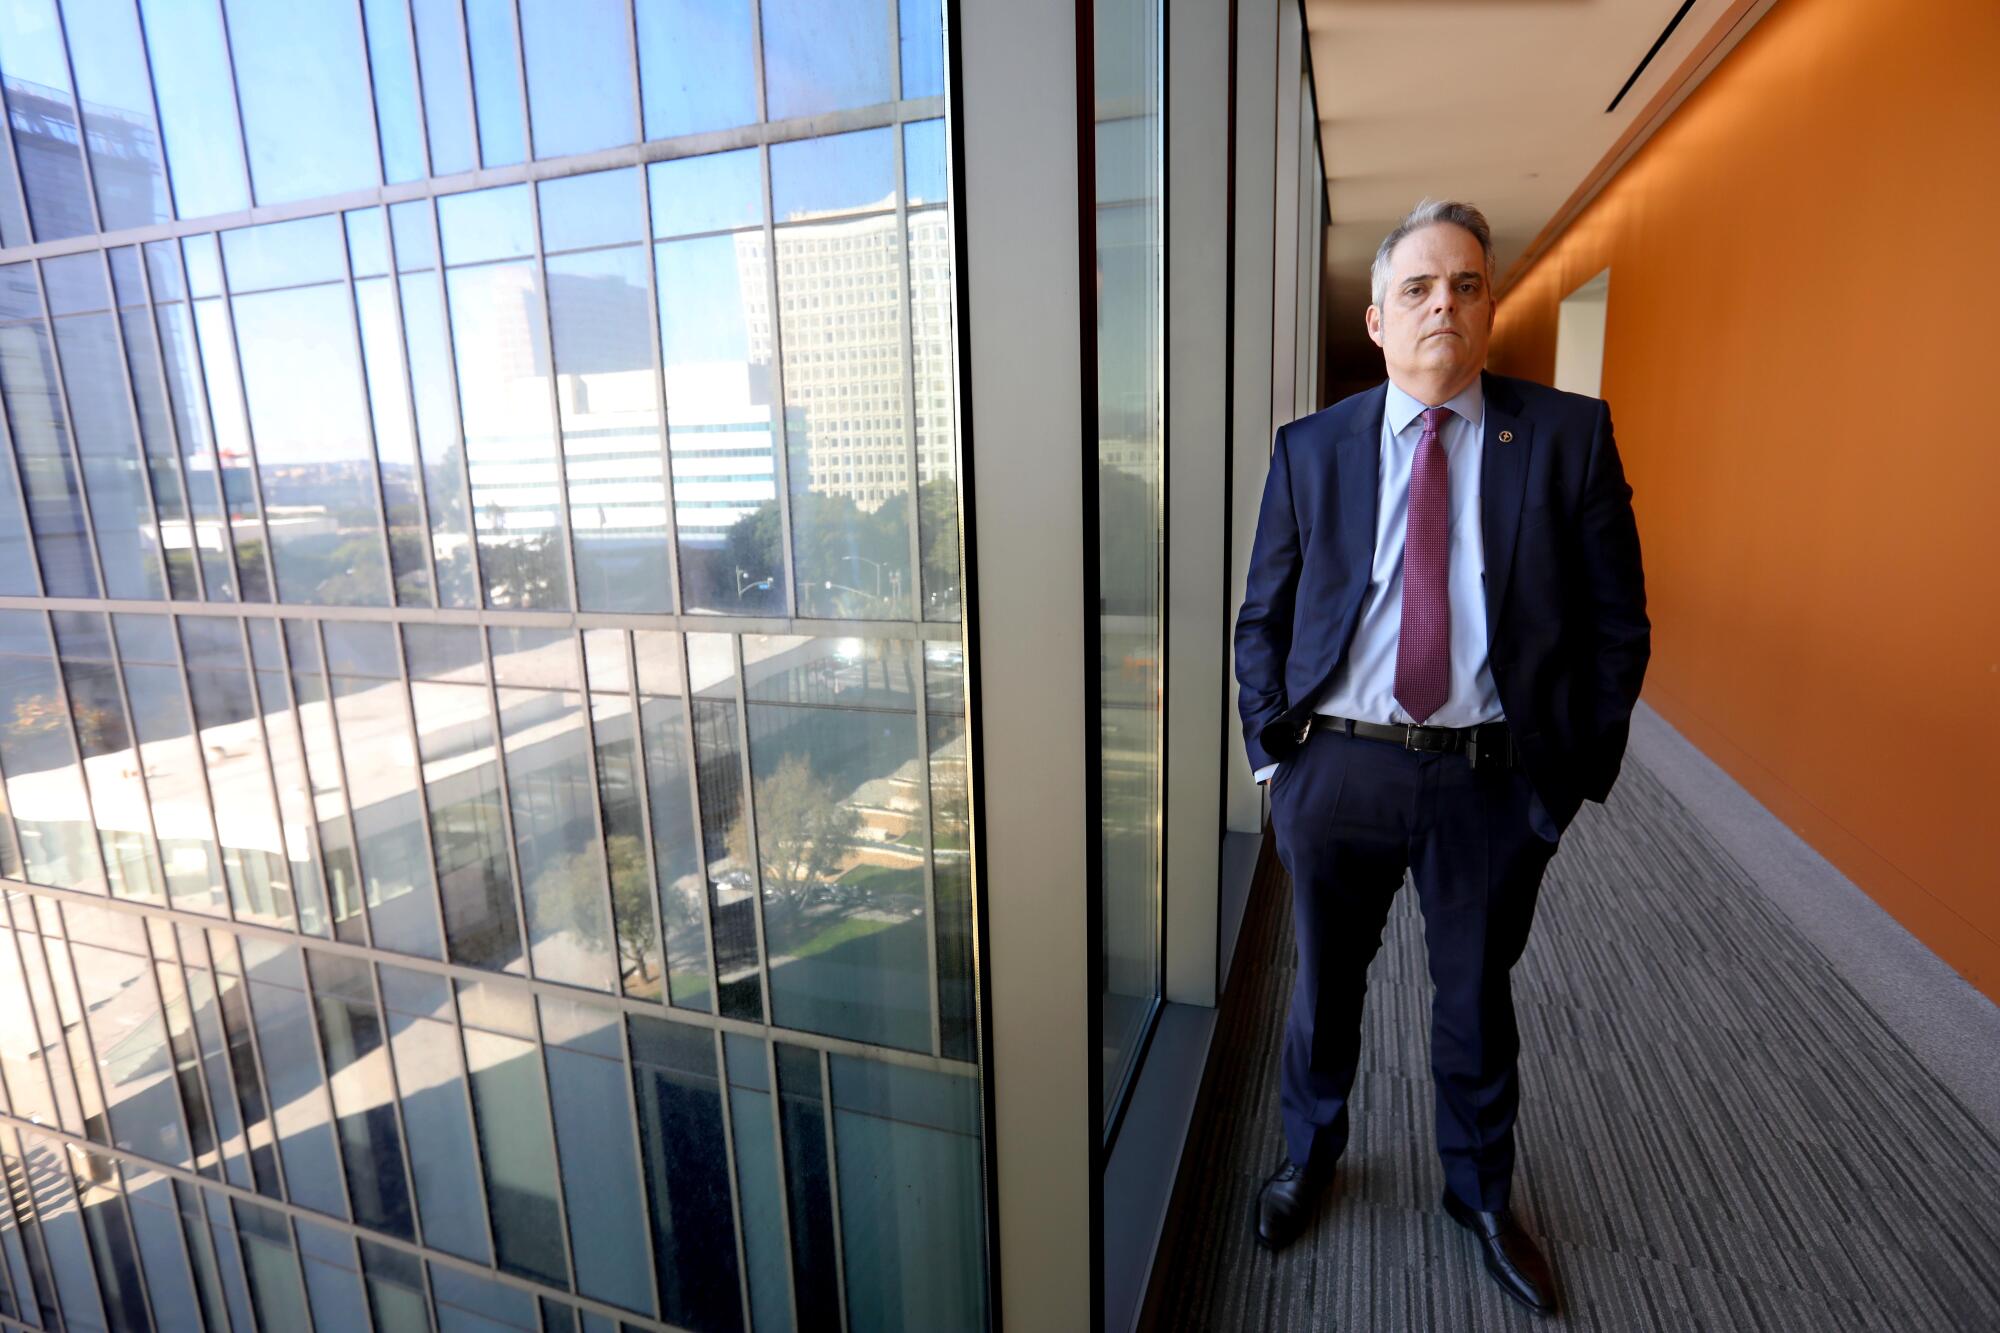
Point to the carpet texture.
(1716, 1133)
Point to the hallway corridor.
(1717, 1131)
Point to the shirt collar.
(1401, 409)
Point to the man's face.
(1437, 315)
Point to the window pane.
(142, 359)
(725, 831)
(41, 440)
(513, 1118)
(620, 797)
(130, 1042)
(823, 55)
(716, 345)
(205, 1005)
(686, 1166)
(920, 25)
(177, 785)
(44, 781)
(291, 1072)
(190, 66)
(934, 375)
(117, 100)
(431, 1076)
(313, 449)
(556, 836)
(295, 799)
(271, 1265)
(118, 1274)
(470, 1304)
(329, 792)
(462, 781)
(676, 854)
(111, 767)
(951, 850)
(427, 346)
(610, 412)
(910, 1213)
(62, 1228)
(759, 1184)
(841, 836)
(447, 87)
(840, 295)
(254, 858)
(497, 330)
(395, 1289)
(395, 440)
(357, 1075)
(44, 119)
(496, 80)
(579, 76)
(599, 1160)
(697, 65)
(333, 1276)
(156, 1224)
(391, 70)
(179, 364)
(229, 462)
(384, 787)
(803, 1111)
(303, 79)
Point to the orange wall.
(1802, 357)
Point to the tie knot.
(1434, 419)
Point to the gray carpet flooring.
(1716, 1132)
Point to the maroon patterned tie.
(1423, 654)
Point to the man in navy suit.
(1442, 638)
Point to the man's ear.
(1373, 322)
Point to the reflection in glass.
(599, 1159)
(920, 32)
(395, 440)
(272, 1265)
(607, 396)
(299, 1110)
(107, 439)
(687, 1172)
(290, 779)
(825, 55)
(467, 1303)
(130, 1042)
(803, 1111)
(933, 373)
(302, 80)
(175, 779)
(43, 119)
(556, 836)
(327, 788)
(395, 1281)
(697, 67)
(162, 455)
(496, 81)
(725, 830)
(303, 384)
(841, 835)
(191, 83)
(951, 849)
(104, 1219)
(910, 1213)
(111, 759)
(621, 797)
(181, 368)
(468, 835)
(52, 490)
(446, 80)
(571, 49)
(116, 96)
(358, 1077)
(840, 305)
(62, 1228)
(671, 803)
(514, 1137)
(430, 1074)
(427, 344)
(503, 368)
(759, 1186)
(333, 1276)
(392, 71)
(156, 1224)
(1131, 481)
(254, 859)
(384, 787)
(229, 464)
(242, 1158)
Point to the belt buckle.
(1299, 736)
(1409, 735)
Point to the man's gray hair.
(1429, 213)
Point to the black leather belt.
(1487, 743)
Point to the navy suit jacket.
(1566, 627)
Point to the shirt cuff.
(1265, 772)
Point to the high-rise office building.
(483, 765)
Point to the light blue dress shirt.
(1365, 686)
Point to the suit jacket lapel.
(1359, 458)
(1503, 473)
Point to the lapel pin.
(1506, 437)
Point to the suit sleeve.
(1264, 622)
(1615, 585)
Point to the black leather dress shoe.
(1285, 1206)
(1511, 1257)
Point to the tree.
(803, 832)
(631, 906)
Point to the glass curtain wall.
(484, 824)
(1131, 522)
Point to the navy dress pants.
(1350, 816)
